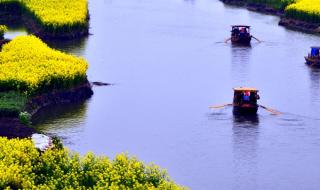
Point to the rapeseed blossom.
(23, 167)
(56, 14)
(307, 10)
(28, 65)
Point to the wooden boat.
(313, 58)
(245, 101)
(240, 34)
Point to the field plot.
(54, 17)
(25, 168)
(306, 10)
(28, 65)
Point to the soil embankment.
(12, 128)
(76, 94)
(300, 25)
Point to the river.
(167, 63)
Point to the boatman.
(246, 96)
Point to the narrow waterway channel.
(168, 63)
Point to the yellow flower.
(56, 13)
(308, 10)
(23, 167)
(29, 65)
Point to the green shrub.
(3, 29)
(57, 142)
(25, 118)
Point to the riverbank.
(36, 29)
(11, 127)
(76, 94)
(289, 23)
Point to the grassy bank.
(24, 167)
(12, 103)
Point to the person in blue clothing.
(246, 97)
(315, 52)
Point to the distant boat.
(245, 100)
(240, 34)
(313, 58)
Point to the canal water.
(167, 63)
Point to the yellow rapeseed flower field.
(307, 10)
(56, 14)
(23, 167)
(30, 66)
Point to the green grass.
(12, 103)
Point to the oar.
(221, 106)
(256, 39)
(226, 41)
(270, 110)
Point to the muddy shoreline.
(13, 15)
(289, 23)
(12, 128)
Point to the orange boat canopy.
(245, 89)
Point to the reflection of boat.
(240, 34)
(313, 58)
(245, 120)
(245, 100)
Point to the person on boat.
(235, 31)
(238, 98)
(243, 32)
(254, 97)
(246, 97)
(315, 52)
